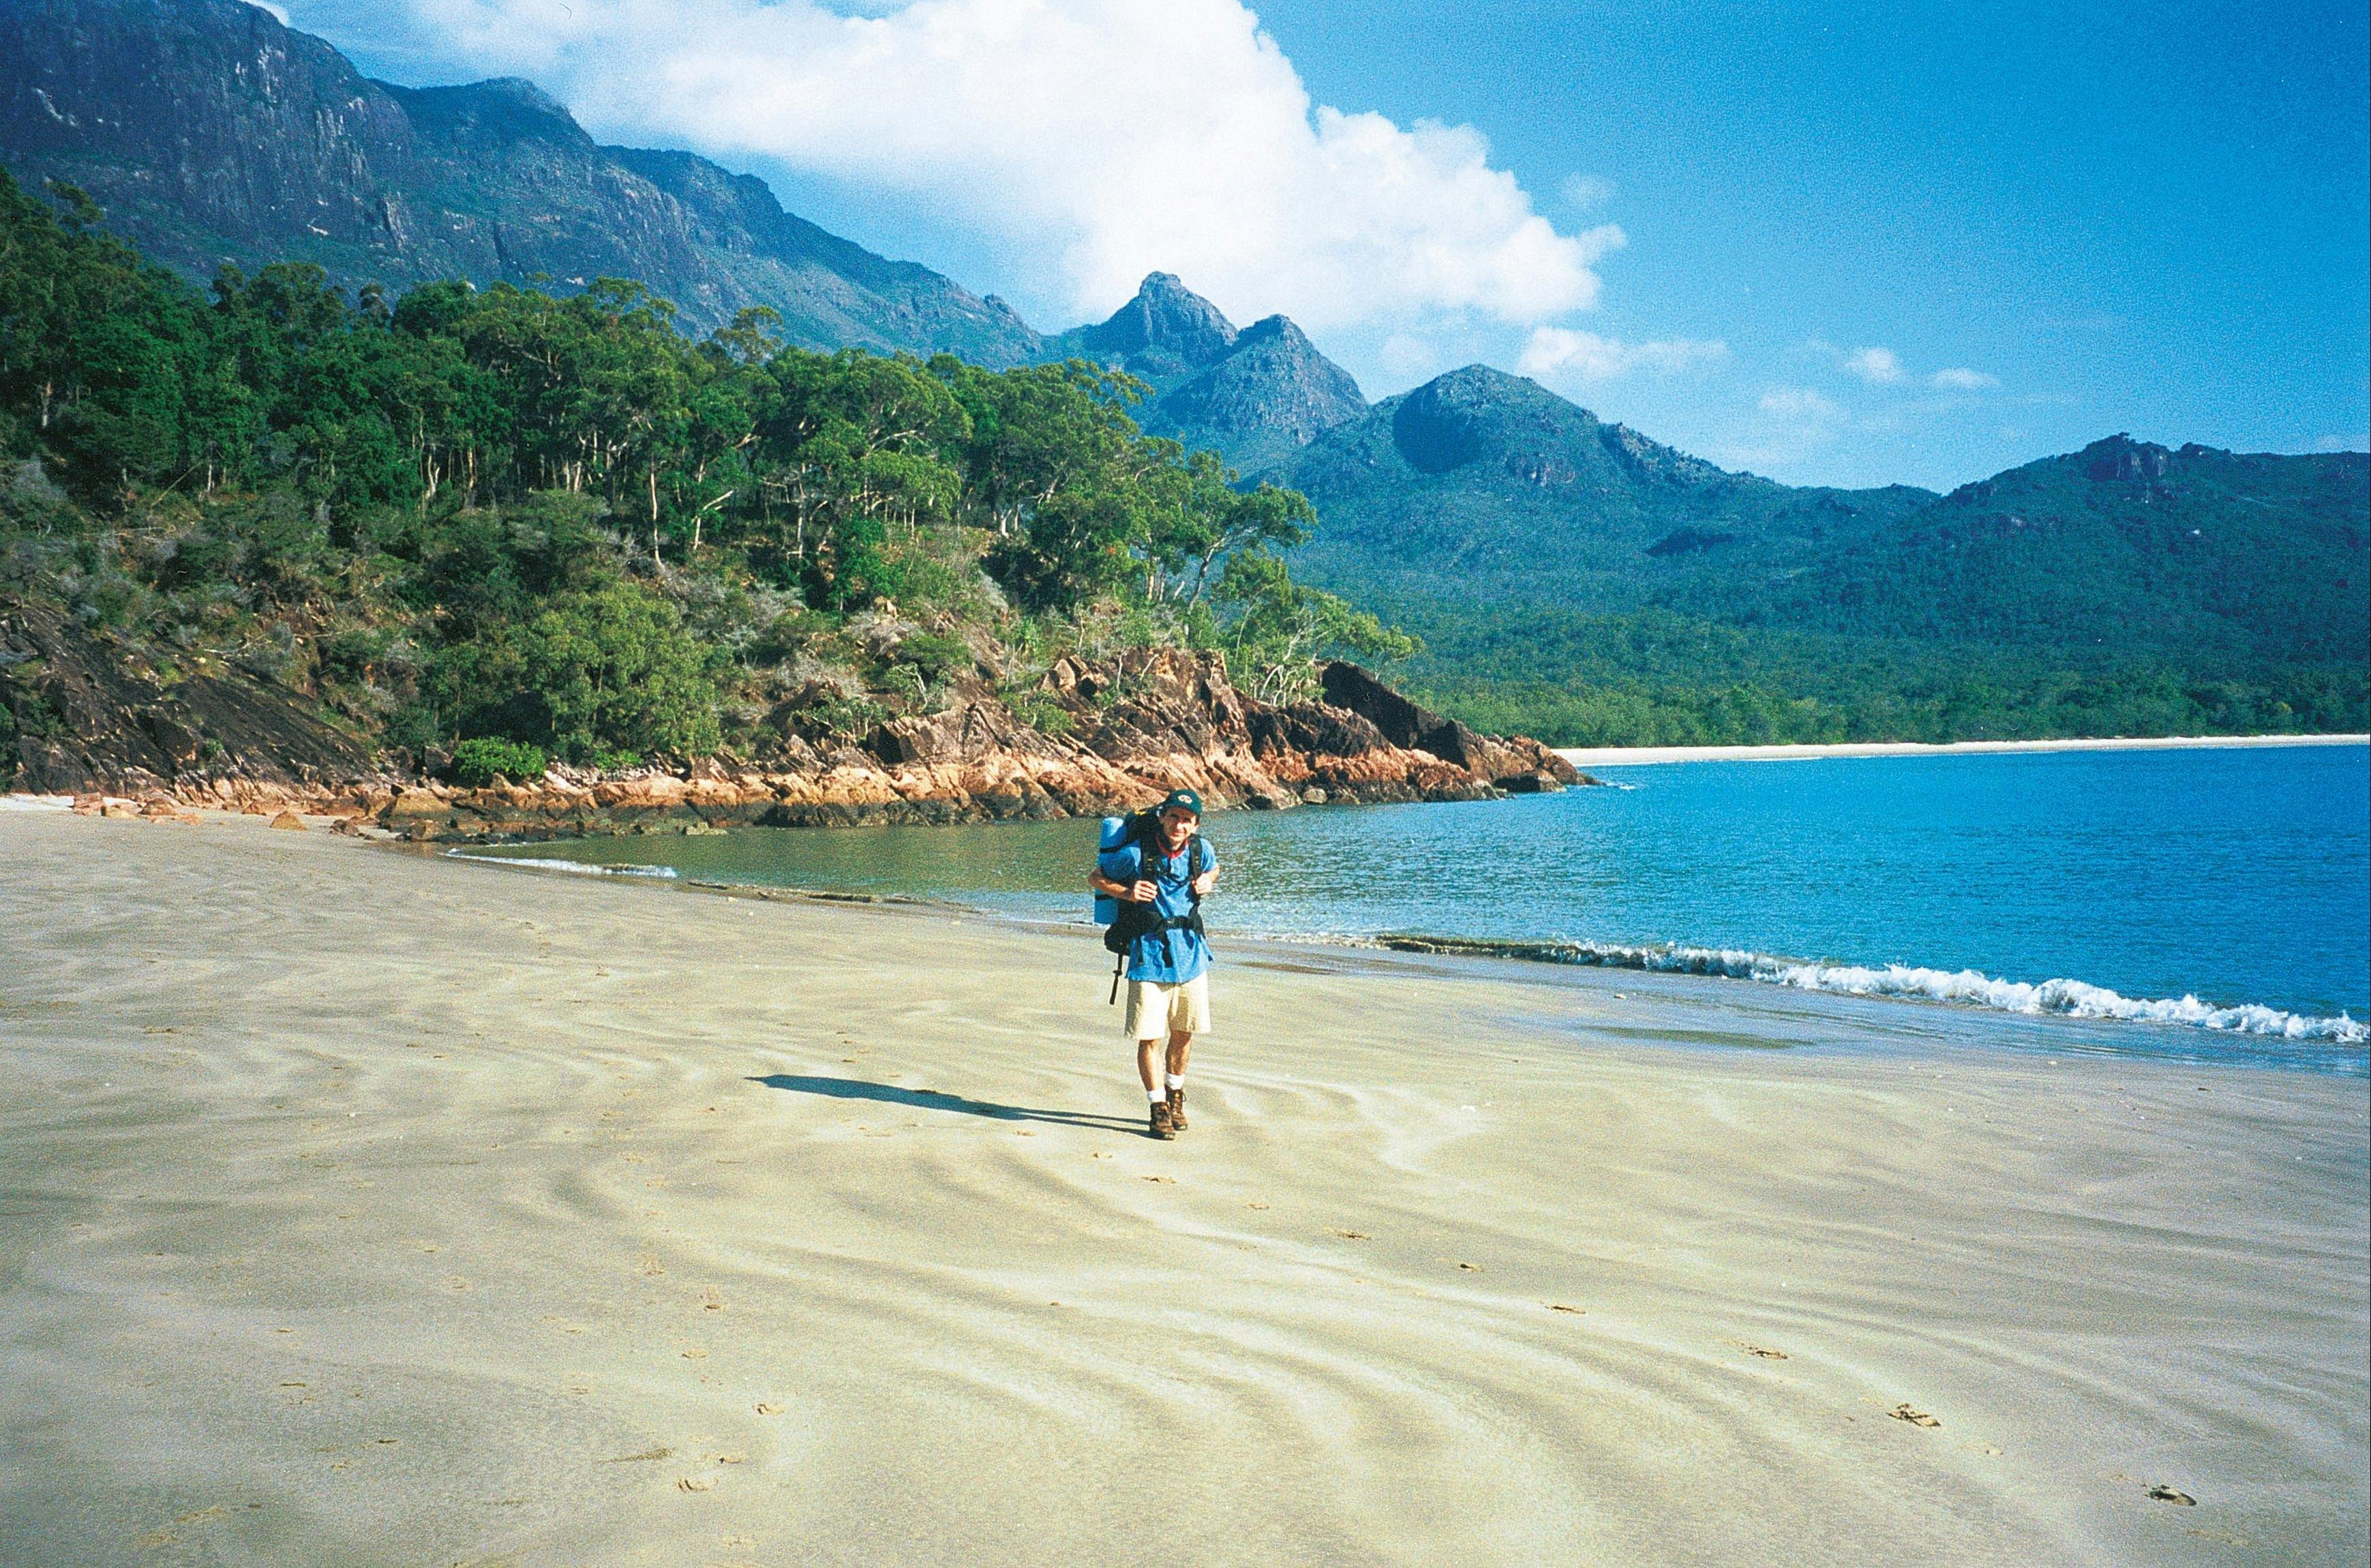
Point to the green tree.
(1279, 629)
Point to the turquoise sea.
(2217, 902)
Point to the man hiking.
(1168, 871)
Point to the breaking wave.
(2063, 998)
(574, 867)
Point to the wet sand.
(364, 1208)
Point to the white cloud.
(1586, 192)
(1562, 354)
(1408, 358)
(1878, 367)
(1800, 403)
(1961, 379)
(1791, 424)
(1098, 140)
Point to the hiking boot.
(1177, 1109)
(1162, 1127)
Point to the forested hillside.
(1577, 581)
(505, 517)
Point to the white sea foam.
(2063, 998)
(574, 867)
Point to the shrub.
(1042, 711)
(933, 653)
(475, 761)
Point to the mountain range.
(1497, 518)
(210, 134)
(1484, 489)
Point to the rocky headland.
(1122, 733)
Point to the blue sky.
(1835, 243)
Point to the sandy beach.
(372, 1207)
(1618, 756)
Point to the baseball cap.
(1185, 798)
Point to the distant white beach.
(1619, 756)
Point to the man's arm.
(1209, 878)
(1137, 891)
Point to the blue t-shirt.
(1170, 957)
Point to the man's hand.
(1142, 893)
(1205, 883)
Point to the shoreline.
(1623, 756)
(361, 1198)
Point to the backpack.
(1127, 921)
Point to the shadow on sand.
(930, 1100)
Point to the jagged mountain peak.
(1167, 326)
(1267, 397)
(1279, 328)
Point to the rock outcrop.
(86, 714)
(96, 721)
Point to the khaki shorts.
(1156, 1010)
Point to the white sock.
(1156, 1096)
(1176, 1081)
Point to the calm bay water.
(2238, 879)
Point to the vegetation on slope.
(562, 523)
(1579, 582)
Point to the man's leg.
(1180, 1046)
(1148, 1058)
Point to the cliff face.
(212, 133)
(93, 719)
(81, 713)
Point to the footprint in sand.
(695, 1482)
(1255, 1205)
(2161, 1493)
(1353, 1235)
(1766, 1354)
(1915, 1417)
(1170, 1180)
(1560, 1307)
(1470, 1268)
(693, 1352)
(639, 1458)
(766, 1408)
